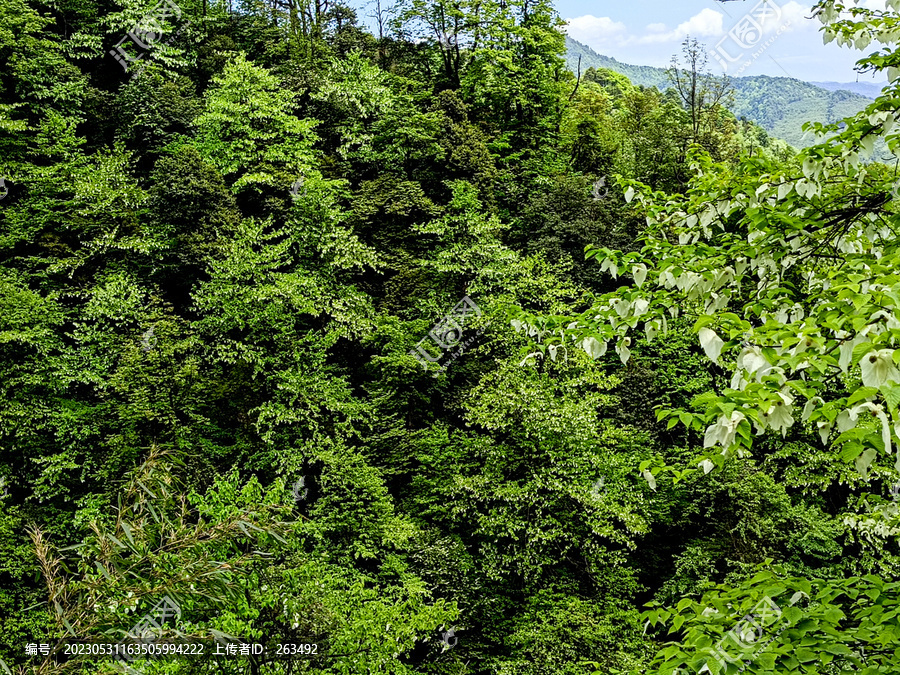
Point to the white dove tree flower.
(824, 427)
(712, 344)
(724, 431)
(752, 361)
(778, 416)
(810, 406)
(878, 368)
(610, 265)
(639, 272)
(594, 347)
(622, 307)
(622, 349)
(877, 412)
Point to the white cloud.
(794, 14)
(597, 31)
(801, 53)
(707, 23)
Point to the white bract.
(776, 414)
(639, 272)
(712, 344)
(723, 432)
(594, 348)
(878, 368)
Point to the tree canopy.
(421, 348)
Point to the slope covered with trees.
(287, 343)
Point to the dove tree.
(790, 274)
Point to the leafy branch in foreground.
(155, 543)
(777, 623)
(792, 282)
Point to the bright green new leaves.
(468, 241)
(248, 130)
(355, 94)
(43, 90)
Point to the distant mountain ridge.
(778, 104)
(867, 89)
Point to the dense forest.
(411, 351)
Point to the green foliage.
(214, 278)
(791, 293)
(247, 130)
(777, 623)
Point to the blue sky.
(649, 32)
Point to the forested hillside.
(780, 105)
(412, 353)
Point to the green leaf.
(126, 528)
(102, 569)
(683, 603)
(146, 489)
(153, 512)
(117, 542)
(805, 655)
(703, 321)
(861, 394)
(891, 392)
